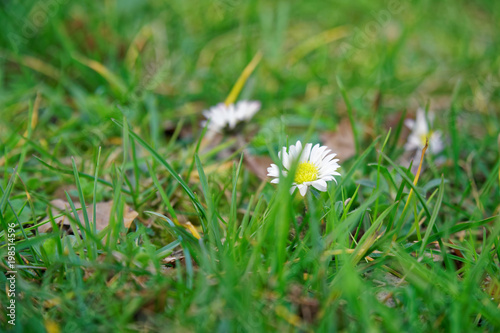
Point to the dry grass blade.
(317, 41)
(240, 83)
(113, 80)
(35, 64)
(418, 171)
(137, 45)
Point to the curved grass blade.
(169, 168)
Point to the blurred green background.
(189, 54)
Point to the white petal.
(327, 172)
(292, 189)
(413, 142)
(325, 153)
(306, 153)
(435, 143)
(329, 157)
(410, 123)
(314, 150)
(273, 171)
(320, 185)
(222, 115)
(285, 159)
(302, 189)
(295, 150)
(317, 154)
(421, 126)
(275, 181)
(247, 109)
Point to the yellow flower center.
(423, 138)
(306, 172)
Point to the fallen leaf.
(177, 255)
(61, 191)
(307, 306)
(103, 213)
(258, 165)
(387, 282)
(340, 142)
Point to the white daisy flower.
(420, 128)
(224, 116)
(316, 166)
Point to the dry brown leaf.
(340, 142)
(103, 212)
(387, 283)
(392, 121)
(177, 255)
(307, 306)
(258, 165)
(61, 191)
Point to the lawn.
(162, 120)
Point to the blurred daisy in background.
(420, 131)
(316, 166)
(224, 117)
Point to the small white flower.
(315, 166)
(420, 128)
(224, 116)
